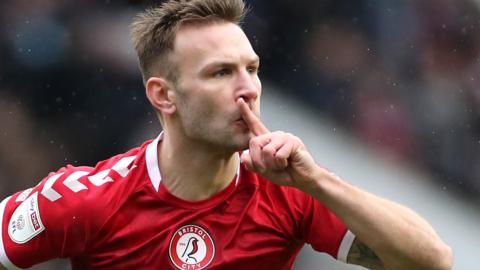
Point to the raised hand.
(278, 156)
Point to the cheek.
(204, 110)
(207, 104)
(258, 83)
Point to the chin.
(244, 142)
(237, 140)
(242, 148)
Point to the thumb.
(247, 160)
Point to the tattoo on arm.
(360, 254)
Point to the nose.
(247, 87)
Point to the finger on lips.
(253, 122)
(263, 150)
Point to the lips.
(240, 122)
(239, 117)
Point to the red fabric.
(126, 224)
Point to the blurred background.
(399, 79)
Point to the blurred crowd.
(401, 76)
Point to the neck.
(192, 171)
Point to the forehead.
(222, 41)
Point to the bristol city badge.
(191, 247)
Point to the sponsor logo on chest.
(191, 247)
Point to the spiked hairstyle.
(153, 31)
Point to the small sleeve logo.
(191, 247)
(25, 222)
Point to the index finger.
(253, 122)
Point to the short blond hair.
(153, 31)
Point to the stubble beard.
(205, 126)
(223, 140)
(215, 133)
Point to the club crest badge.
(191, 247)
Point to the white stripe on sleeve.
(345, 246)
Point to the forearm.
(401, 238)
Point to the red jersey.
(118, 215)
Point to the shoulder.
(88, 183)
(61, 216)
(83, 190)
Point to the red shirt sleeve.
(323, 230)
(48, 221)
(60, 217)
(319, 227)
(310, 221)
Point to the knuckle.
(257, 139)
(295, 138)
(269, 149)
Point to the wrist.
(321, 183)
(312, 181)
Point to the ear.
(160, 94)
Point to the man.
(195, 198)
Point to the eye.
(222, 72)
(252, 69)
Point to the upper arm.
(361, 254)
(42, 223)
(60, 217)
(323, 230)
(36, 230)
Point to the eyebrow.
(222, 63)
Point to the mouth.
(240, 122)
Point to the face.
(216, 65)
